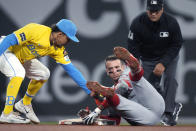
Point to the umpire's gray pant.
(168, 81)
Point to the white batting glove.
(89, 119)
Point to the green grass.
(49, 123)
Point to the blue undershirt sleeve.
(8, 41)
(76, 75)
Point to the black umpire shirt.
(160, 40)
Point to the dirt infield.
(22, 127)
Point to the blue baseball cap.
(69, 28)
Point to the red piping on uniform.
(105, 103)
(137, 76)
(128, 83)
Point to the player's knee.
(153, 120)
(45, 74)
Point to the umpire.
(155, 38)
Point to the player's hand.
(159, 69)
(89, 119)
(83, 112)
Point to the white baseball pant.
(146, 108)
(12, 67)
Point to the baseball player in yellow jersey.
(18, 53)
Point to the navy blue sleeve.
(8, 41)
(76, 75)
(134, 41)
(175, 44)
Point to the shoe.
(13, 117)
(168, 120)
(125, 55)
(177, 110)
(97, 88)
(27, 110)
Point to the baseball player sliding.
(132, 96)
(18, 53)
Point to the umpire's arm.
(175, 44)
(134, 41)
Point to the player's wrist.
(98, 110)
(98, 97)
(101, 107)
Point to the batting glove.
(89, 119)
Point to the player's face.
(114, 69)
(155, 16)
(60, 39)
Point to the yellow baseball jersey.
(34, 42)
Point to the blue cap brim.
(74, 38)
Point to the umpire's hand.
(159, 69)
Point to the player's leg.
(12, 68)
(148, 109)
(135, 113)
(39, 74)
(148, 96)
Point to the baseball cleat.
(13, 117)
(171, 119)
(125, 55)
(97, 88)
(27, 110)
(177, 110)
(168, 120)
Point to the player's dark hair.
(112, 58)
(55, 28)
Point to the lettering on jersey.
(31, 47)
(130, 35)
(22, 36)
(164, 34)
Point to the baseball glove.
(83, 112)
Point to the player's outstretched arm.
(76, 75)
